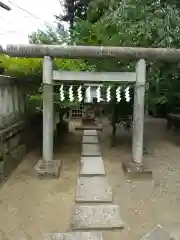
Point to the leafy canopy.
(31, 68)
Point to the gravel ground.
(146, 203)
(30, 207)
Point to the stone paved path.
(93, 189)
(90, 139)
(90, 150)
(92, 166)
(92, 186)
(30, 208)
(74, 236)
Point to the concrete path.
(93, 189)
(103, 217)
(90, 139)
(158, 233)
(90, 150)
(74, 236)
(92, 166)
(90, 133)
(94, 210)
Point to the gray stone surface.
(105, 217)
(90, 139)
(175, 235)
(174, 230)
(92, 166)
(158, 233)
(11, 161)
(133, 170)
(93, 189)
(90, 132)
(48, 169)
(74, 236)
(91, 150)
(14, 141)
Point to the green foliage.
(159, 100)
(49, 36)
(22, 67)
(135, 23)
(31, 68)
(34, 103)
(130, 23)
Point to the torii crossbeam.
(39, 51)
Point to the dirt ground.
(30, 207)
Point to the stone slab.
(97, 127)
(85, 217)
(158, 233)
(92, 166)
(93, 189)
(74, 236)
(174, 230)
(90, 133)
(91, 150)
(133, 170)
(90, 139)
(48, 169)
(175, 235)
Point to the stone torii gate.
(49, 166)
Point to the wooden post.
(48, 118)
(138, 114)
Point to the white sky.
(15, 25)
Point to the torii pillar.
(47, 166)
(136, 166)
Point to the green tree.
(49, 36)
(31, 68)
(134, 23)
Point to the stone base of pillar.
(134, 170)
(48, 169)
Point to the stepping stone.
(74, 236)
(96, 217)
(90, 132)
(90, 150)
(92, 166)
(158, 233)
(90, 139)
(93, 189)
(174, 230)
